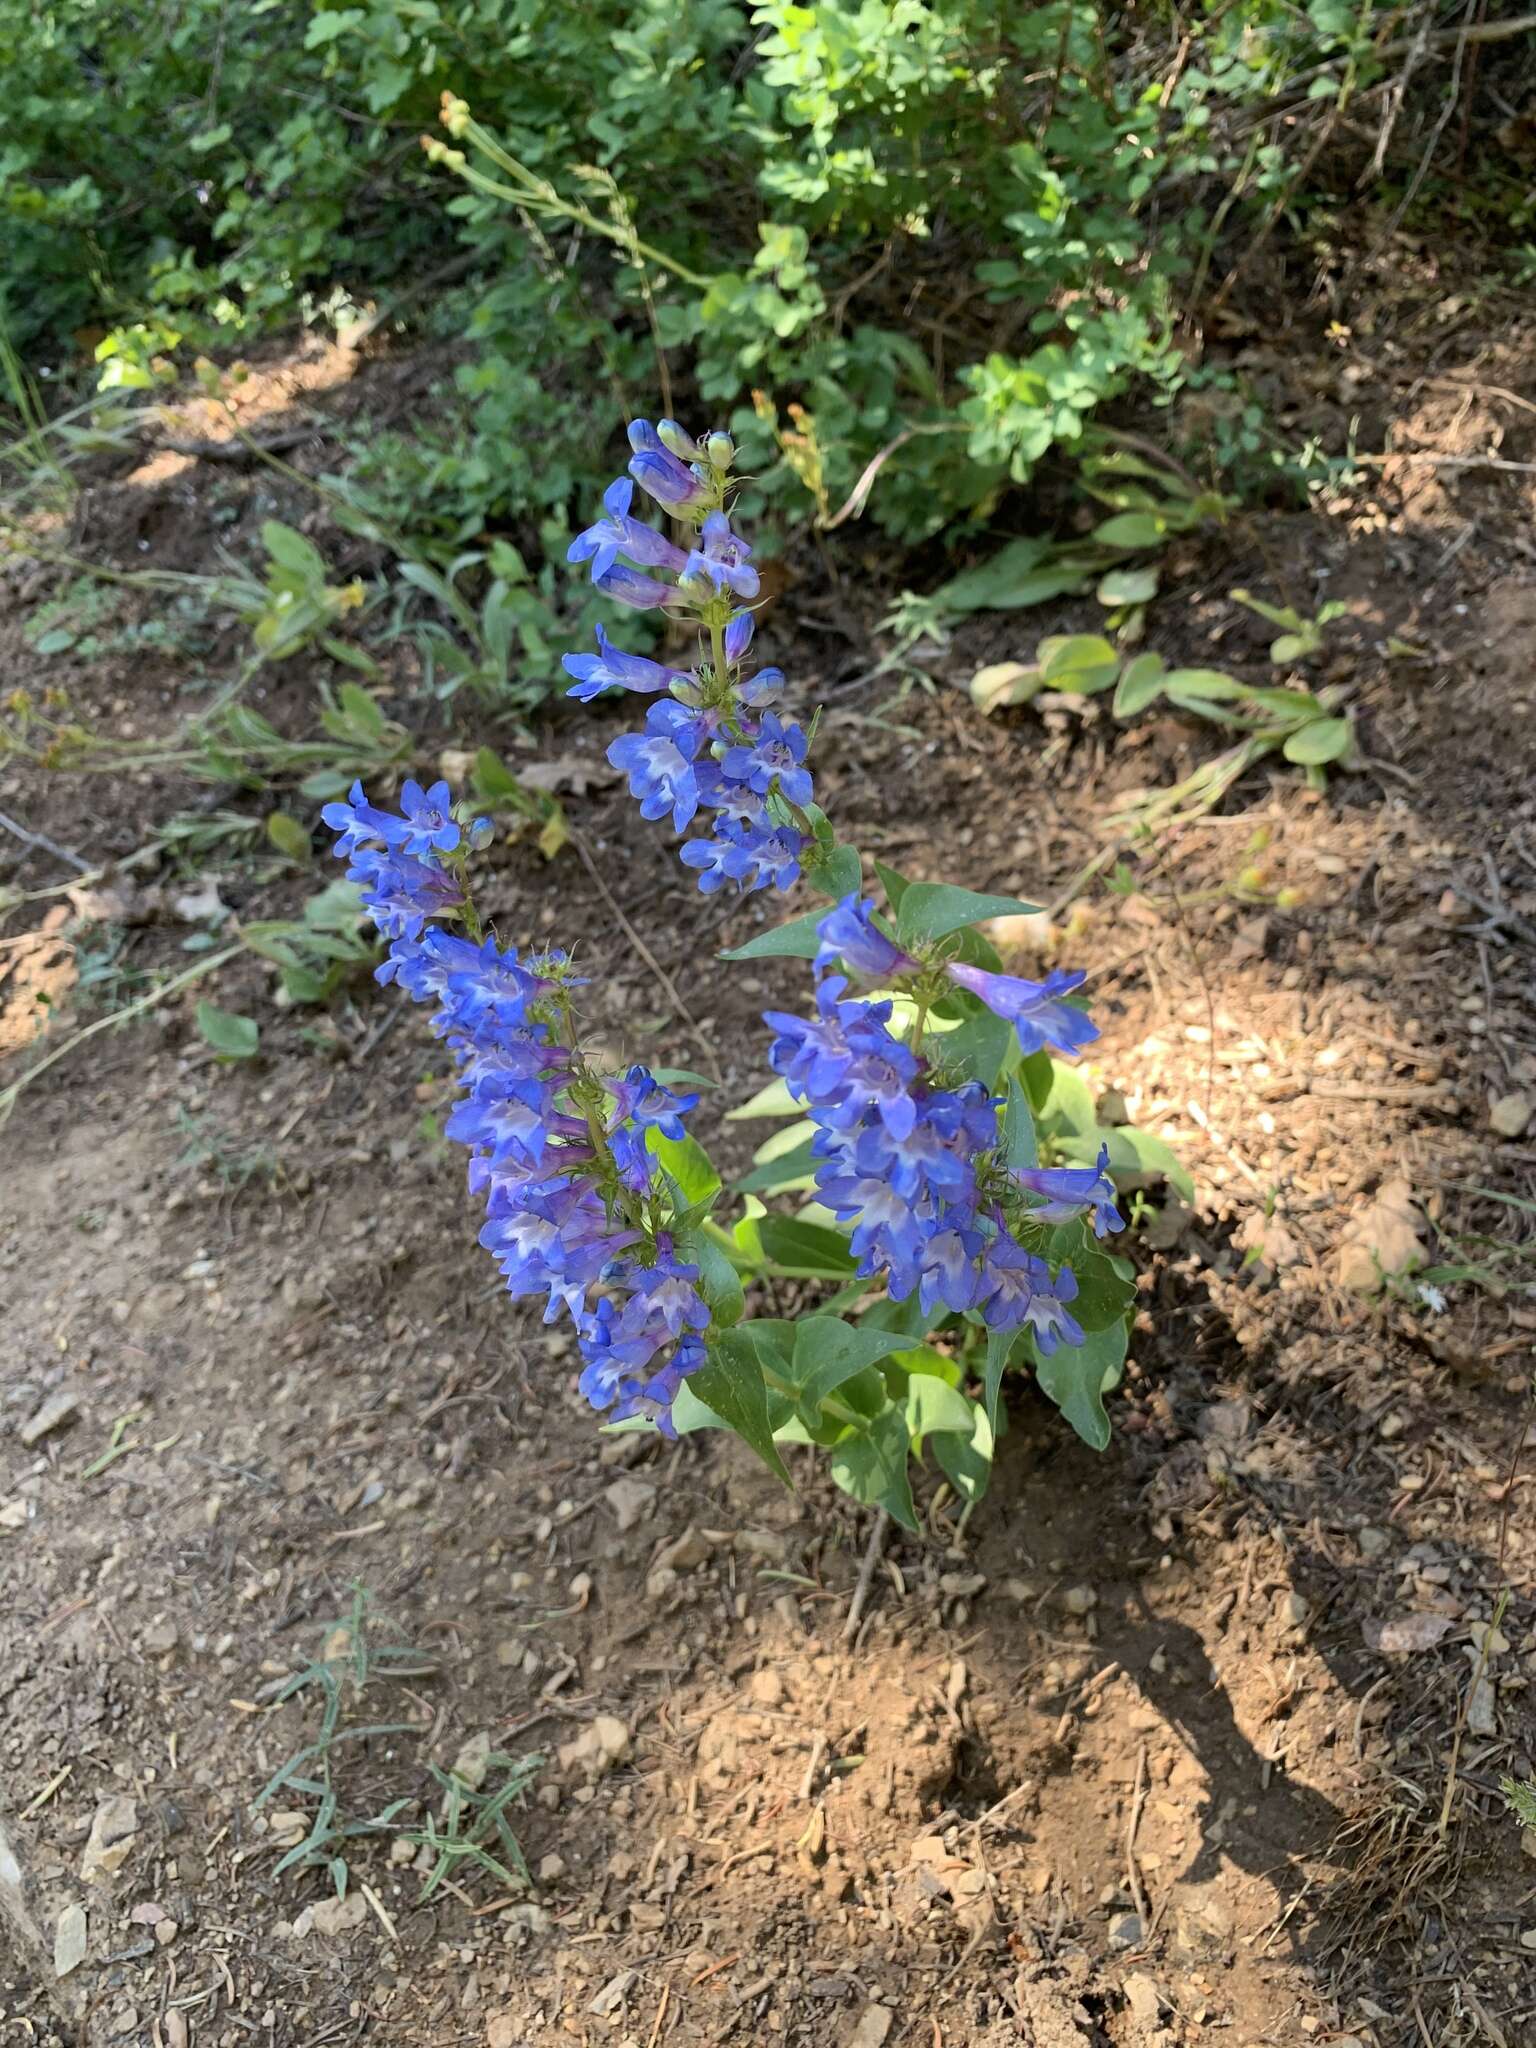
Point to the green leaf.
(934, 1408)
(797, 940)
(232, 1036)
(993, 585)
(1128, 585)
(774, 1100)
(1202, 684)
(871, 1465)
(829, 1351)
(732, 1385)
(967, 1462)
(1004, 683)
(1104, 1292)
(1076, 1377)
(1319, 741)
(894, 885)
(931, 910)
(1140, 685)
(288, 835)
(781, 1170)
(979, 1044)
(1069, 1105)
(291, 551)
(836, 874)
(1037, 1070)
(719, 1282)
(1080, 663)
(1001, 1345)
(1131, 530)
(687, 1162)
(1020, 1148)
(496, 784)
(809, 1249)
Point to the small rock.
(1391, 1426)
(473, 1762)
(58, 1409)
(762, 1543)
(1144, 1999)
(159, 1639)
(166, 1931)
(1125, 1931)
(551, 1869)
(767, 1689)
(1382, 1239)
(597, 1748)
(875, 2024)
(335, 1916)
(614, 1993)
(502, 2033)
(962, 1585)
(1079, 1599)
(1528, 1939)
(684, 1553)
(1510, 1115)
(69, 1941)
(1373, 1542)
(13, 1514)
(113, 1827)
(631, 1501)
(1297, 1610)
(288, 1829)
(402, 1852)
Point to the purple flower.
(642, 1099)
(627, 586)
(1067, 1191)
(752, 856)
(1035, 1009)
(619, 534)
(722, 559)
(738, 635)
(660, 775)
(849, 933)
(400, 893)
(845, 1061)
(763, 688)
(429, 815)
(659, 473)
(1017, 1288)
(612, 669)
(772, 758)
(357, 822)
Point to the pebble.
(1125, 1930)
(333, 1916)
(1144, 1999)
(113, 1827)
(613, 1993)
(69, 1941)
(502, 2033)
(551, 1868)
(1079, 1599)
(1510, 1115)
(631, 1501)
(767, 1689)
(166, 1932)
(58, 1409)
(1373, 1542)
(874, 2026)
(1297, 1609)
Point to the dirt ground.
(1154, 1748)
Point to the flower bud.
(720, 449)
(454, 115)
(678, 439)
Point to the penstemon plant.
(958, 1183)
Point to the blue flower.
(627, 586)
(659, 473)
(722, 559)
(763, 688)
(752, 856)
(660, 775)
(401, 893)
(429, 815)
(1067, 1191)
(1018, 1289)
(772, 757)
(1035, 1009)
(619, 534)
(643, 1100)
(738, 635)
(612, 669)
(357, 822)
(849, 933)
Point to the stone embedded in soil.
(613, 1993)
(503, 2033)
(332, 1917)
(1373, 1542)
(1382, 1239)
(1510, 1115)
(1125, 1930)
(473, 1762)
(631, 1501)
(55, 1412)
(69, 1941)
(113, 1827)
(766, 1689)
(1144, 1999)
(597, 1748)
(874, 2026)
(1079, 1599)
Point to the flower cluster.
(575, 1208)
(916, 1167)
(712, 742)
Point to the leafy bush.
(947, 232)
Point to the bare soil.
(1151, 1749)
